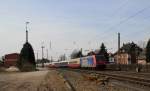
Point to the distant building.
(111, 58)
(128, 54)
(125, 58)
(122, 58)
(142, 57)
(11, 59)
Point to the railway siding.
(67, 82)
(105, 78)
(130, 78)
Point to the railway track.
(121, 77)
(132, 79)
(66, 81)
(76, 81)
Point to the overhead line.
(132, 16)
(119, 8)
(123, 21)
(137, 13)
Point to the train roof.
(59, 62)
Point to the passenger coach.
(74, 63)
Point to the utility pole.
(50, 45)
(47, 53)
(42, 55)
(118, 48)
(118, 41)
(51, 59)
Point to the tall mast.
(27, 31)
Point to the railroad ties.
(132, 79)
(108, 76)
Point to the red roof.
(12, 56)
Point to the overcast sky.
(72, 24)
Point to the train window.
(100, 58)
(64, 63)
(73, 62)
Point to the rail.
(120, 77)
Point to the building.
(128, 54)
(111, 58)
(142, 57)
(122, 58)
(11, 59)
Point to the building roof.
(12, 56)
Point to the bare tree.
(142, 44)
(62, 57)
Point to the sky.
(72, 24)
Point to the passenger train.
(94, 62)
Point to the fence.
(129, 67)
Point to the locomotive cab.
(100, 62)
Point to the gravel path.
(16, 81)
(32, 81)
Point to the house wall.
(142, 61)
(11, 59)
(122, 58)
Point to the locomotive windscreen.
(100, 58)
